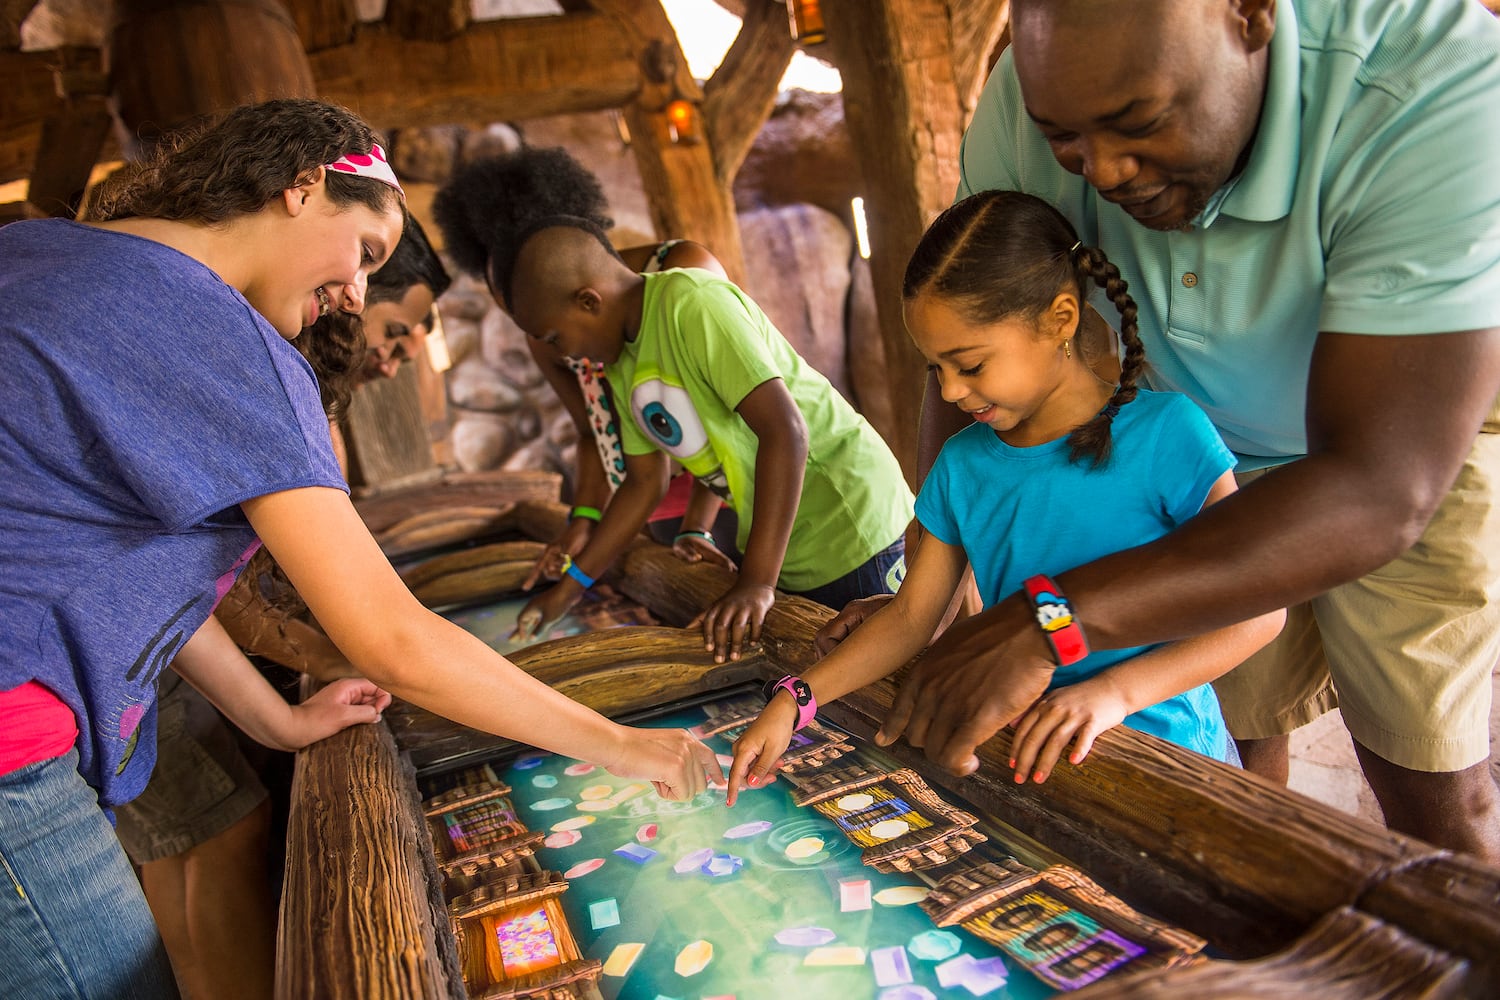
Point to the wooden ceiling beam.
(12, 13)
(504, 70)
(427, 20)
(739, 97)
(324, 24)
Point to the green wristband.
(587, 513)
(694, 534)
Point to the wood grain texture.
(501, 487)
(510, 69)
(356, 914)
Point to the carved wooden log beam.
(66, 152)
(41, 87)
(460, 492)
(324, 24)
(505, 70)
(427, 21)
(1249, 865)
(682, 185)
(357, 910)
(901, 103)
(739, 97)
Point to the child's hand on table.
(758, 750)
(732, 619)
(552, 563)
(695, 548)
(544, 609)
(1074, 714)
(350, 701)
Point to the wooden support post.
(687, 196)
(901, 103)
(71, 136)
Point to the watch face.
(800, 690)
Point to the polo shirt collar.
(1263, 191)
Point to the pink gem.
(584, 867)
(647, 833)
(563, 838)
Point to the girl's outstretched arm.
(350, 587)
(888, 639)
(1078, 713)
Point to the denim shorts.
(201, 786)
(74, 924)
(882, 573)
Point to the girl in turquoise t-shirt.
(1060, 467)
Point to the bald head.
(1154, 102)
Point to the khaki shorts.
(1405, 653)
(202, 784)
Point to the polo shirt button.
(1189, 279)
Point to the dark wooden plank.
(324, 24)
(505, 70)
(66, 153)
(428, 21)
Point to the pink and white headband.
(372, 164)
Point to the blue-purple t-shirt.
(143, 400)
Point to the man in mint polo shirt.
(1305, 200)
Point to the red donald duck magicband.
(1055, 616)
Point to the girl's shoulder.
(1149, 404)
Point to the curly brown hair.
(237, 164)
(998, 254)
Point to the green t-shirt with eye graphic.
(703, 345)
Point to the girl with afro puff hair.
(484, 211)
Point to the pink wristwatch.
(807, 705)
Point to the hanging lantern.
(806, 18)
(683, 122)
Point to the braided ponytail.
(1092, 440)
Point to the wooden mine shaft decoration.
(897, 820)
(1058, 923)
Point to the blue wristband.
(579, 575)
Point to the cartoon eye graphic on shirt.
(667, 414)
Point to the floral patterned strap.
(601, 420)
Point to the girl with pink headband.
(136, 481)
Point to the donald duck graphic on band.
(671, 420)
(1052, 612)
